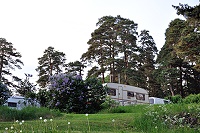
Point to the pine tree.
(147, 54)
(52, 62)
(9, 60)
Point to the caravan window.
(130, 94)
(151, 101)
(112, 92)
(140, 96)
(11, 104)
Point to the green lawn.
(172, 118)
(98, 123)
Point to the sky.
(34, 25)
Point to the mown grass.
(172, 118)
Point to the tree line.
(117, 52)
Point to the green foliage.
(147, 53)
(109, 104)
(27, 89)
(50, 63)
(75, 67)
(192, 98)
(9, 60)
(4, 93)
(169, 118)
(43, 96)
(113, 47)
(28, 113)
(188, 45)
(70, 93)
(175, 99)
(176, 73)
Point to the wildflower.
(40, 118)
(78, 77)
(6, 128)
(11, 127)
(156, 127)
(68, 123)
(86, 114)
(22, 121)
(51, 119)
(20, 131)
(17, 121)
(113, 120)
(45, 120)
(57, 103)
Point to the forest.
(118, 52)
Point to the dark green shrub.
(175, 99)
(192, 98)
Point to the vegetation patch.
(28, 113)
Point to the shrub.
(192, 98)
(70, 93)
(109, 103)
(175, 99)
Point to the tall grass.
(28, 113)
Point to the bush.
(69, 93)
(109, 103)
(192, 98)
(175, 99)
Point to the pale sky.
(34, 25)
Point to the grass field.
(173, 118)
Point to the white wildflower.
(45, 120)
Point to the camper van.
(19, 102)
(155, 100)
(126, 94)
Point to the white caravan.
(155, 100)
(19, 102)
(126, 94)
